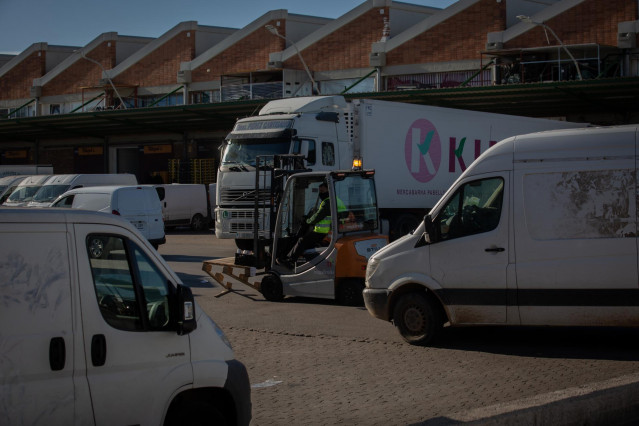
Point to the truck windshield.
(242, 152)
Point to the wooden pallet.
(223, 269)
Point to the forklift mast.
(272, 171)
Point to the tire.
(244, 244)
(198, 413)
(417, 319)
(349, 292)
(403, 224)
(198, 223)
(271, 288)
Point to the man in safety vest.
(319, 225)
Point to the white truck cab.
(97, 330)
(306, 126)
(540, 230)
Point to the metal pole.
(107, 77)
(563, 46)
(274, 31)
(529, 20)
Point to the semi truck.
(417, 152)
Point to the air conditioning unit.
(627, 40)
(184, 76)
(377, 59)
(36, 91)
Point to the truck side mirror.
(186, 310)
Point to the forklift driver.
(317, 228)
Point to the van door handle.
(495, 249)
(57, 354)
(98, 350)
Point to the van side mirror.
(186, 311)
(429, 236)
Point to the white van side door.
(470, 260)
(37, 357)
(135, 359)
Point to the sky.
(78, 22)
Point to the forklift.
(335, 267)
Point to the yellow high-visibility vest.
(324, 225)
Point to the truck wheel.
(417, 319)
(403, 224)
(349, 292)
(271, 288)
(198, 223)
(244, 244)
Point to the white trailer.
(417, 152)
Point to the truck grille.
(243, 196)
(242, 214)
(245, 227)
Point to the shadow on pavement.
(607, 343)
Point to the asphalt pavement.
(314, 362)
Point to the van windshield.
(23, 194)
(49, 193)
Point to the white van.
(139, 205)
(25, 191)
(540, 230)
(105, 335)
(8, 184)
(184, 205)
(56, 185)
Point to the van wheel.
(349, 292)
(417, 319)
(196, 413)
(271, 288)
(198, 223)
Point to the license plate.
(139, 224)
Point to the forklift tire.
(271, 288)
(349, 292)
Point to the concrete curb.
(611, 402)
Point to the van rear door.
(155, 221)
(131, 204)
(135, 358)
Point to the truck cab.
(311, 127)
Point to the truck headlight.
(373, 263)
